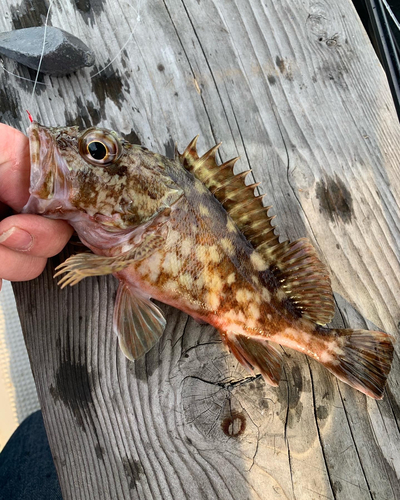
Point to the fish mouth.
(49, 185)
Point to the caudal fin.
(362, 359)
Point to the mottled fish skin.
(165, 235)
(209, 270)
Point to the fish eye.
(99, 147)
(97, 150)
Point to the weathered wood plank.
(294, 88)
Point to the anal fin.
(255, 353)
(138, 322)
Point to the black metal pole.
(385, 41)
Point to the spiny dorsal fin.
(293, 268)
(246, 210)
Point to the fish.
(191, 233)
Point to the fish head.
(95, 176)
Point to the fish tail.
(360, 358)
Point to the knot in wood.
(234, 425)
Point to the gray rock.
(63, 52)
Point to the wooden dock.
(296, 90)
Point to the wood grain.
(294, 88)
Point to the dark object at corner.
(63, 53)
(385, 38)
(27, 470)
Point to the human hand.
(26, 241)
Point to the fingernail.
(16, 239)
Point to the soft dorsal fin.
(295, 269)
(290, 267)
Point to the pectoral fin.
(83, 265)
(255, 353)
(138, 322)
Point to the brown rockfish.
(192, 234)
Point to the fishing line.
(41, 55)
(18, 76)
(36, 82)
(126, 43)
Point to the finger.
(16, 266)
(34, 235)
(14, 167)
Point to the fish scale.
(191, 233)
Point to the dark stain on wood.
(271, 79)
(83, 6)
(322, 412)
(85, 116)
(124, 59)
(280, 63)
(335, 199)
(132, 137)
(337, 487)
(283, 68)
(33, 75)
(89, 9)
(108, 84)
(99, 452)
(392, 477)
(297, 386)
(89, 112)
(335, 72)
(160, 67)
(29, 14)
(264, 403)
(170, 149)
(393, 404)
(74, 388)
(133, 469)
(72, 119)
(289, 398)
(234, 425)
(9, 106)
